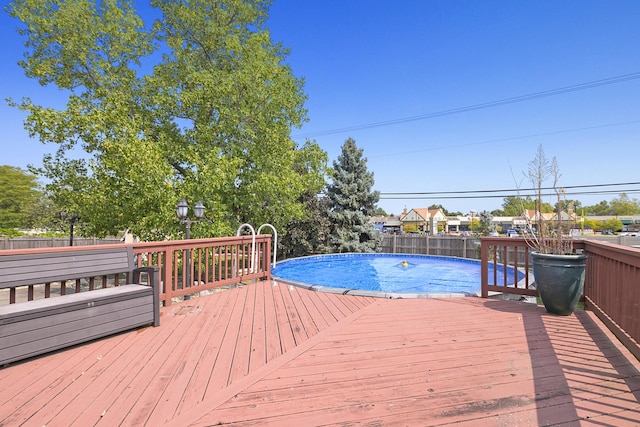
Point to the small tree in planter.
(548, 237)
(557, 269)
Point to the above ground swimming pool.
(385, 275)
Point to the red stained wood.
(243, 344)
(258, 353)
(200, 375)
(266, 353)
(273, 346)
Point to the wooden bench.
(35, 327)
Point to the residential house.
(423, 220)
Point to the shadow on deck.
(268, 353)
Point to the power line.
(500, 196)
(512, 138)
(505, 101)
(510, 190)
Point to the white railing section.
(275, 240)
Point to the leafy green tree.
(352, 202)
(378, 211)
(600, 209)
(19, 196)
(198, 104)
(571, 206)
(515, 205)
(623, 205)
(310, 234)
(11, 232)
(613, 224)
(44, 214)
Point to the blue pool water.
(386, 273)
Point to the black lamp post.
(72, 220)
(182, 210)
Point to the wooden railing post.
(484, 268)
(167, 276)
(267, 258)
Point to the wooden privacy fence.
(457, 246)
(611, 287)
(32, 242)
(187, 267)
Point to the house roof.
(423, 214)
(437, 213)
(415, 215)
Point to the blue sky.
(375, 62)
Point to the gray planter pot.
(559, 281)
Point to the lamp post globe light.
(182, 211)
(198, 210)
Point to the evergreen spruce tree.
(352, 202)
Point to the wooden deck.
(271, 354)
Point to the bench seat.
(36, 327)
(31, 328)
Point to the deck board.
(173, 374)
(296, 317)
(226, 342)
(240, 358)
(273, 346)
(200, 375)
(285, 326)
(258, 353)
(271, 354)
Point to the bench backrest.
(45, 267)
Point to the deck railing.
(187, 267)
(211, 263)
(612, 280)
(612, 289)
(507, 253)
